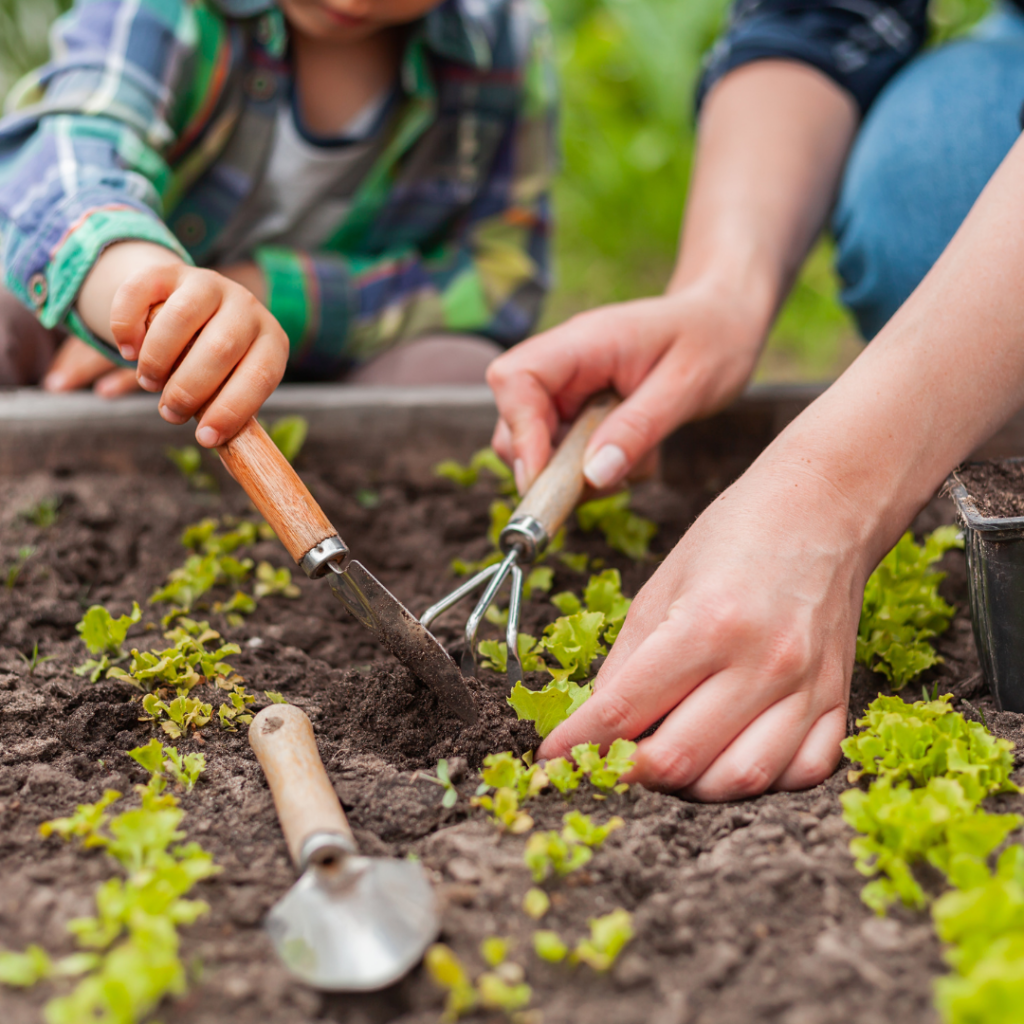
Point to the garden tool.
(534, 522)
(255, 462)
(350, 923)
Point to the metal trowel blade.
(400, 633)
(358, 937)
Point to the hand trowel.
(350, 923)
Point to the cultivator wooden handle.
(282, 738)
(560, 486)
(253, 459)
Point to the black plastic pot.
(995, 588)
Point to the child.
(351, 174)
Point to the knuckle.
(614, 714)
(179, 398)
(788, 656)
(750, 779)
(669, 769)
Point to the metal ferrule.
(321, 847)
(316, 561)
(527, 534)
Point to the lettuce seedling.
(548, 945)
(563, 775)
(189, 462)
(447, 972)
(274, 697)
(504, 810)
(183, 666)
(485, 459)
(494, 950)
(443, 779)
(495, 654)
(25, 552)
(235, 711)
(161, 761)
(289, 434)
(182, 713)
(496, 992)
(548, 852)
(603, 593)
(33, 660)
(548, 707)
(44, 513)
(505, 770)
(605, 772)
(623, 529)
(902, 608)
(536, 903)
(579, 828)
(102, 634)
(608, 935)
(274, 581)
(926, 739)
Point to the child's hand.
(77, 365)
(237, 347)
(674, 358)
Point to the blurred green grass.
(628, 71)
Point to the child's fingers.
(137, 294)
(217, 350)
(180, 318)
(252, 382)
(116, 383)
(76, 365)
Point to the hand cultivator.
(535, 521)
(350, 923)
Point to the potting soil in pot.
(741, 912)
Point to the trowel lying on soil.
(537, 518)
(350, 923)
(301, 526)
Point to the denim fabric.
(932, 139)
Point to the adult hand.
(78, 365)
(750, 669)
(678, 357)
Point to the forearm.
(772, 142)
(941, 376)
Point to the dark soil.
(743, 912)
(995, 488)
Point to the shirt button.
(190, 228)
(261, 86)
(38, 290)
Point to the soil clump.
(995, 489)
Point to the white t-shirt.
(303, 195)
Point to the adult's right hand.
(674, 358)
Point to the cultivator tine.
(458, 594)
(473, 623)
(515, 601)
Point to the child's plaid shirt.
(154, 119)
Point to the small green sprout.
(102, 634)
(548, 945)
(25, 552)
(44, 513)
(623, 530)
(563, 775)
(189, 462)
(274, 581)
(274, 697)
(578, 828)
(466, 476)
(183, 666)
(495, 654)
(289, 434)
(548, 852)
(576, 562)
(446, 971)
(161, 761)
(504, 810)
(182, 714)
(536, 903)
(498, 993)
(505, 770)
(443, 779)
(608, 935)
(234, 610)
(494, 950)
(366, 498)
(35, 660)
(236, 712)
(605, 772)
(540, 578)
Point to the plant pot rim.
(967, 512)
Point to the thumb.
(622, 440)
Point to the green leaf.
(548, 945)
(151, 756)
(23, 970)
(463, 476)
(548, 707)
(495, 654)
(608, 935)
(494, 950)
(563, 775)
(536, 903)
(289, 434)
(575, 641)
(102, 633)
(539, 578)
(567, 602)
(274, 581)
(578, 828)
(548, 852)
(497, 994)
(623, 530)
(274, 697)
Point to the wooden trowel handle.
(282, 737)
(560, 486)
(272, 485)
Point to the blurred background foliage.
(628, 73)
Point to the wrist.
(114, 265)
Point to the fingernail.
(606, 466)
(147, 384)
(172, 416)
(519, 472)
(128, 352)
(208, 437)
(55, 382)
(105, 388)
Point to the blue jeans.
(930, 142)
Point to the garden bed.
(743, 912)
